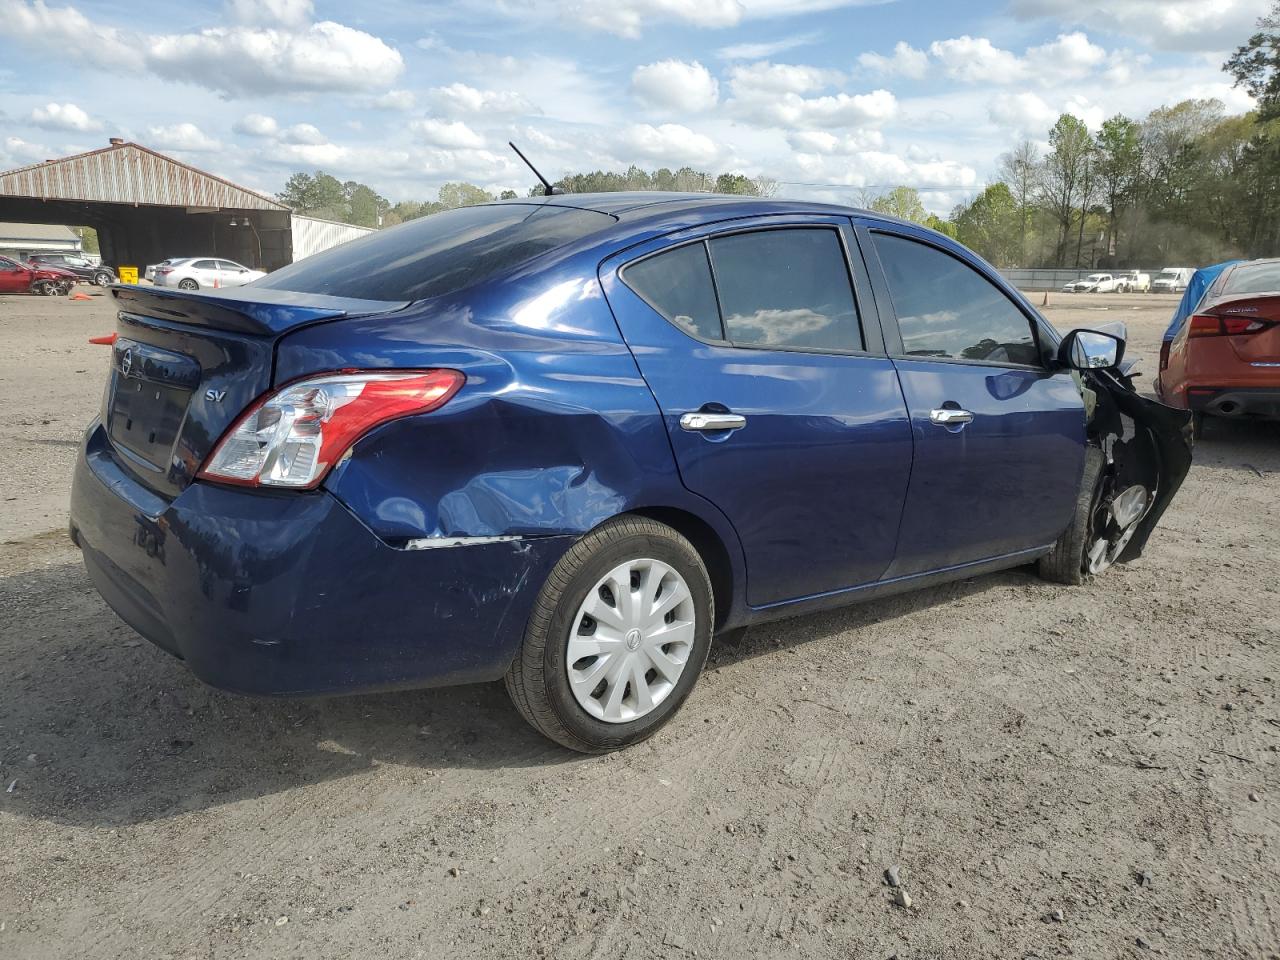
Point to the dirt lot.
(1015, 748)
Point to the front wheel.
(188, 284)
(101, 278)
(617, 637)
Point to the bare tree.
(1019, 169)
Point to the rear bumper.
(269, 593)
(1260, 402)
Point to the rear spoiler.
(261, 311)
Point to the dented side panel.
(553, 433)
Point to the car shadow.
(101, 728)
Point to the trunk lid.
(185, 365)
(1253, 346)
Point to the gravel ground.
(1051, 771)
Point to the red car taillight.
(291, 438)
(1207, 325)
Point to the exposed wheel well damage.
(1144, 444)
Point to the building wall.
(311, 235)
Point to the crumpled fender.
(1144, 441)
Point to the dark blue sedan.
(565, 441)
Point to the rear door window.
(786, 289)
(947, 310)
(438, 254)
(677, 283)
(204, 265)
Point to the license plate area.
(150, 391)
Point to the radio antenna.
(547, 189)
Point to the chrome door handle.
(710, 422)
(949, 417)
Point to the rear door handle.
(950, 417)
(711, 422)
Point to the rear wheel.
(617, 638)
(188, 284)
(101, 278)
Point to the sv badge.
(214, 396)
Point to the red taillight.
(291, 438)
(1204, 326)
(1210, 325)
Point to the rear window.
(1253, 278)
(438, 254)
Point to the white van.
(1172, 280)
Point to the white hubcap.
(630, 640)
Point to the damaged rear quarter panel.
(553, 432)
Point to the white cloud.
(669, 144)
(977, 60)
(1069, 57)
(460, 99)
(773, 78)
(394, 100)
(770, 94)
(289, 13)
(303, 133)
(769, 48)
(1024, 113)
(822, 142)
(906, 61)
(675, 85)
(181, 136)
(256, 125)
(19, 151)
(234, 61)
(63, 116)
(443, 133)
(627, 18)
(1210, 25)
(308, 154)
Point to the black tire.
(102, 278)
(1197, 426)
(188, 284)
(537, 682)
(1065, 563)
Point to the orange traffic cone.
(79, 296)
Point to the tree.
(901, 202)
(1064, 176)
(1019, 170)
(1118, 162)
(454, 195)
(1256, 65)
(989, 225)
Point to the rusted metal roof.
(132, 174)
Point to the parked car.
(1224, 359)
(18, 277)
(1133, 281)
(195, 273)
(1171, 280)
(81, 267)
(149, 272)
(1093, 283)
(541, 440)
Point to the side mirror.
(1090, 350)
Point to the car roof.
(639, 204)
(1220, 289)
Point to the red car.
(1225, 360)
(18, 277)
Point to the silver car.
(196, 273)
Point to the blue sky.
(830, 97)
